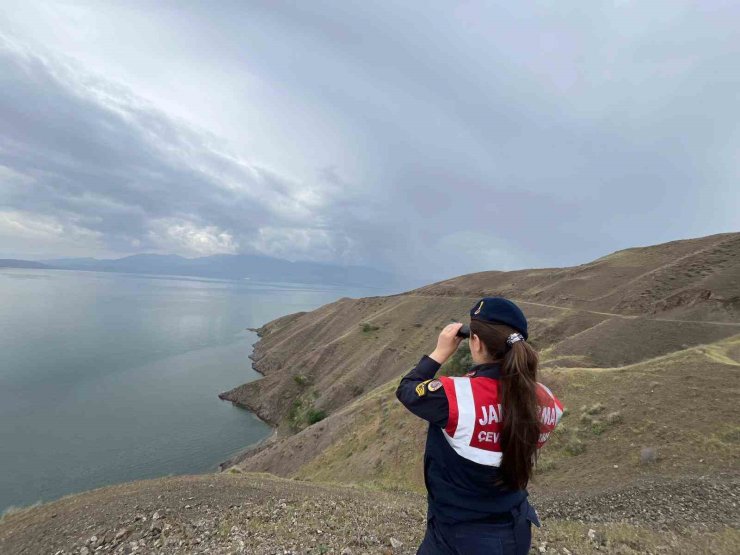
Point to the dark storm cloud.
(555, 133)
(434, 139)
(87, 154)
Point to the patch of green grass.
(303, 413)
(298, 413)
(544, 465)
(224, 529)
(598, 427)
(294, 408)
(730, 435)
(596, 408)
(459, 363)
(574, 446)
(302, 380)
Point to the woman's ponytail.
(521, 427)
(518, 393)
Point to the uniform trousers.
(507, 535)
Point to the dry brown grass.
(630, 375)
(619, 538)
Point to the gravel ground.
(261, 514)
(218, 514)
(664, 505)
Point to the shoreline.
(253, 448)
(251, 395)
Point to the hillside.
(345, 359)
(642, 346)
(694, 280)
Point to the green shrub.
(315, 415)
(367, 327)
(301, 380)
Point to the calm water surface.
(106, 378)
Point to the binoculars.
(464, 331)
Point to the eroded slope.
(632, 373)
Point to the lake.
(106, 378)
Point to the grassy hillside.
(344, 360)
(642, 346)
(677, 404)
(692, 279)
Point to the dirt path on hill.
(612, 314)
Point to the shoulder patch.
(421, 389)
(434, 385)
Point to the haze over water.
(106, 378)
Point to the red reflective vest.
(474, 423)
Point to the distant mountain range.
(13, 263)
(223, 266)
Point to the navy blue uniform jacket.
(459, 490)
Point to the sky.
(430, 139)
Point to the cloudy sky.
(428, 138)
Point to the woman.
(484, 433)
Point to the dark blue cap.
(500, 311)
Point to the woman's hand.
(447, 343)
